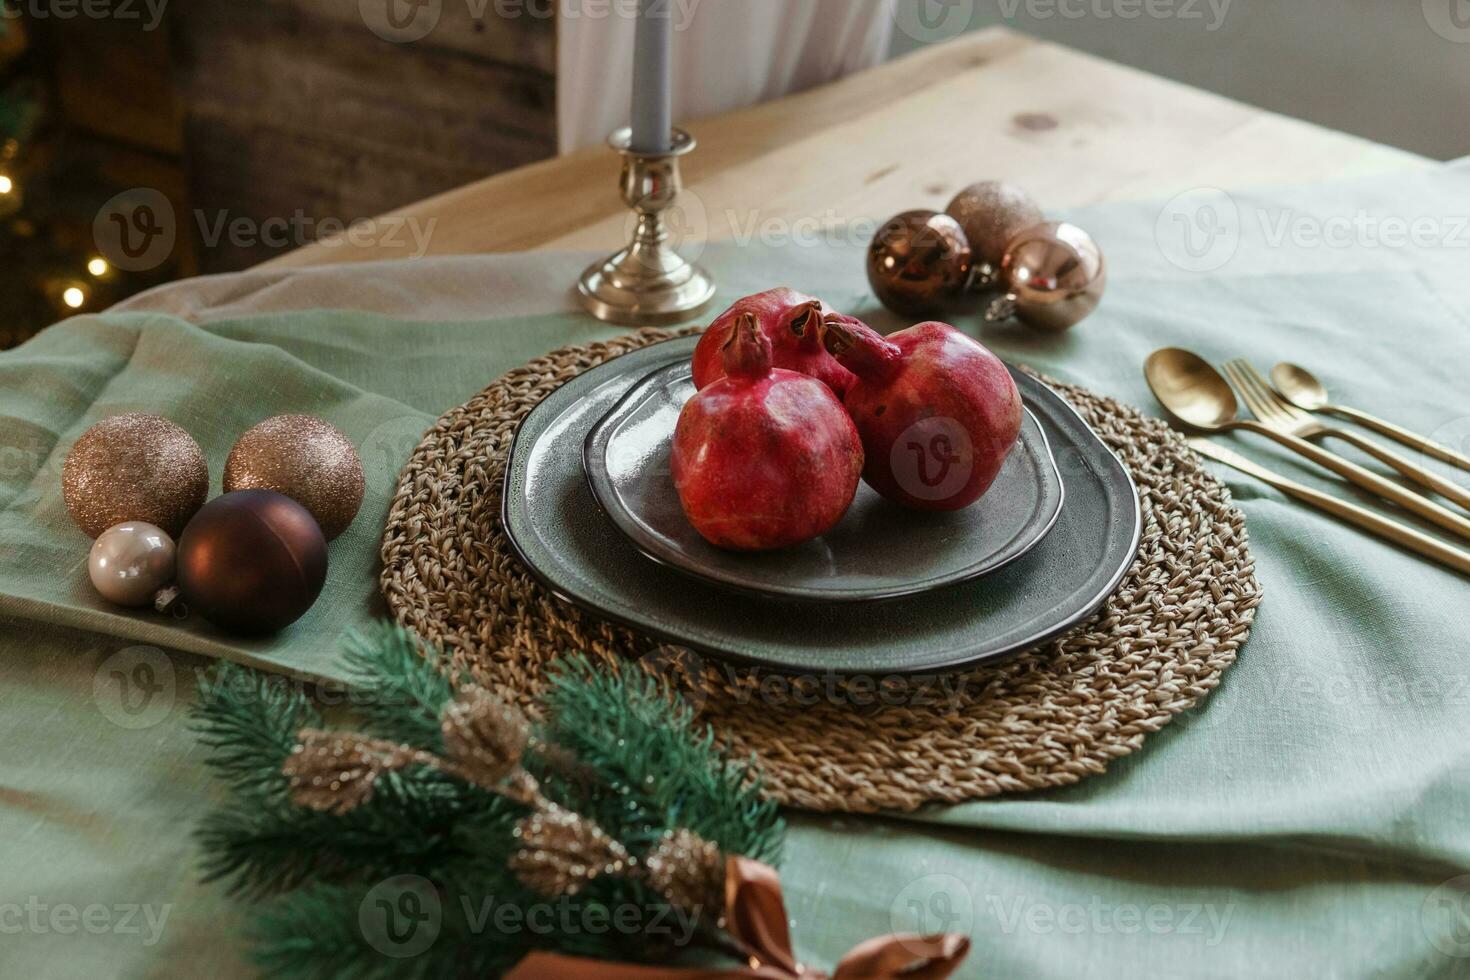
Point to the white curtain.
(726, 54)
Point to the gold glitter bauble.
(306, 459)
(134, 467)
(993, 212)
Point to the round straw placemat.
(1049, 717)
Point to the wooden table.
(1071, 128)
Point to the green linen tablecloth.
(1311, 818)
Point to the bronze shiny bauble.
(1054, 276)
(252, 561)
(919, 263)
(134, 467)
(991, 213)
(306, 459)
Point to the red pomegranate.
(792, 321)
(764, 457)
(937, 411)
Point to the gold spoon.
(1197, 395)
(1301, 387)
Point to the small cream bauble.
(130, 562)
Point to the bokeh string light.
(53, 185)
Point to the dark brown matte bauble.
(993, 212)
(919, 263)
(134, 467)
(252, 561)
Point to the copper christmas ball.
(991, 213)
(252, 561)
(919, 262)
(1055, 275)
(306, 459)
(134, 467)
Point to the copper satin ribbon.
(755, 915)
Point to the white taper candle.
(652, 80)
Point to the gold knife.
(1400, 534)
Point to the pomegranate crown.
(805, 321)
(858, 347)
(747, 351)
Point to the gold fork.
(1285, 417)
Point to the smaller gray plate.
(879, 551)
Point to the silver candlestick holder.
(648, 283)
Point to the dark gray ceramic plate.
(566, 541)
(879, 551)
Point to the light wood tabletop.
(1071, 128)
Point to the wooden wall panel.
(296, 106)
(114, 80)
(297, 110)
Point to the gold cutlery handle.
(1367, 479)
(1426, 446)
(1445, 488)
(1390, 530)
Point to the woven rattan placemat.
(1047, 718)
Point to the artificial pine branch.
(260, 842)
(315, 934)
(249, 722)
(615, 751)
(260, 850)
(658, 760)
(399, 692)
